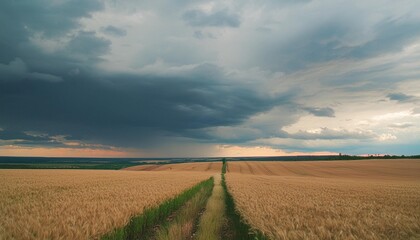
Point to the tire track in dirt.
(266, 169)
(209, 166)
(251, 169)
(240, 168)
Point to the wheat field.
(214, 167)
(375, 169)
(329, 200)
(80, 204)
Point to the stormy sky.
(209, 78)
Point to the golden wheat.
(338, 204)
(80, 204)
(373, 169)
(214, 167)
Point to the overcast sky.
(209, 78)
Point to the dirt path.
(213, 218)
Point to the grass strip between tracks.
(214, 218)
(141, 227)
(185, 220)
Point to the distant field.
(376, 199)
(110, 166)
(86, 163)
(214, 167)
(80, 204)
(384, 169)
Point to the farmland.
(211, 167)
(368, 199)
(376, 199)
(81, 204)
(372, 169)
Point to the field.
(87, 163)
(376, 199)
(366, 199)
(213, 167)
(81, 204)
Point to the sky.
(209, 78)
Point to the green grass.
(213, 219)
(141, 226)
(183, 225)
(238, 227)
(224, 166)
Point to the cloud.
(386, 137)
(134, 74)
(327, 133)
(36, 139)
(400, 125)
(17, 135)
(203, 35)
(114, 31)
(320, 112)
(16, 66)
(88, 44)
(52, 19)
(17, 70)
(299, 37)
(221, 18)
(124, 108)
(401, 97)
(392, 116)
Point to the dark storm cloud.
(332, 40)
(117, 109)
(17, 69)
(63, 75)
(30, 75)
(320, 112)
(23, 21)
(114, 31)
(52, 18)
(10, 136)
(88, 44)
(391, 36)
(127, 106)
(20, 19)
(7, 134)
(34, 139)
(82, 51)
(221, 18)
